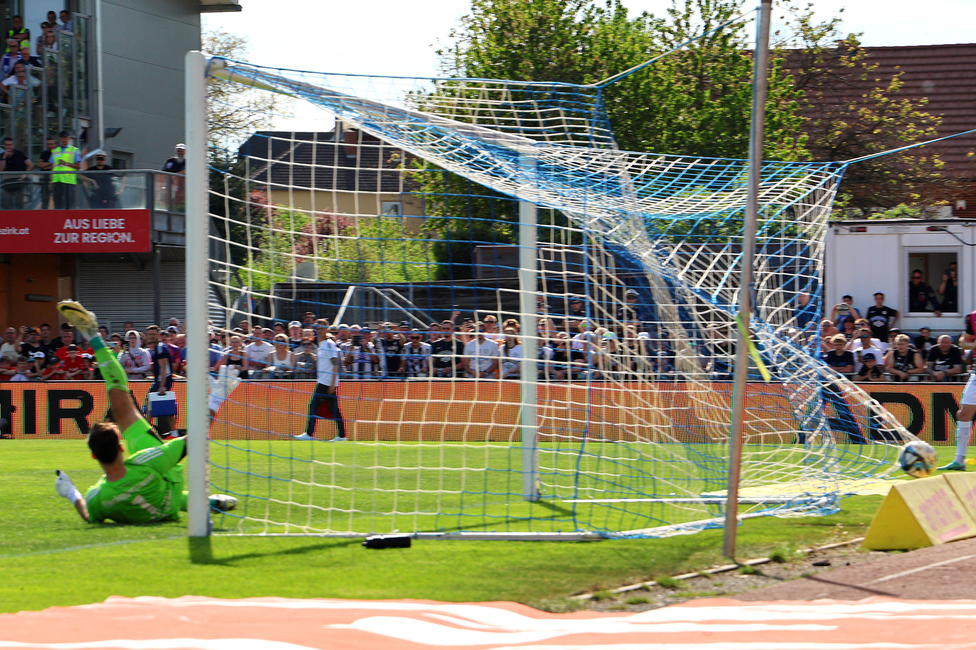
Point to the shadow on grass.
(201, 550)
(558, 511)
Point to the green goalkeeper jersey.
(151, 490)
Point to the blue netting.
(635, 433)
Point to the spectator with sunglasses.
(921, 295)
(305, 359)
(446, 353)
(416, 355)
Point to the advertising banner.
(75, 231)
(463, 410)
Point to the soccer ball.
(918, 459)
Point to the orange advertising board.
(473, 410)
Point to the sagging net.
(397, 217)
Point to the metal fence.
(161, 192)
(52, 96)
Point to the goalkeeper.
(147, 485)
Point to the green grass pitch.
(48, 556)
(288, 486)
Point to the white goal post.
(197, 276)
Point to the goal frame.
(197, 277)
(197, 312)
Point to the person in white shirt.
(327, 385)
(491, 330)
(281, 359)
(585, 339)
(481, 356)
(10, 347)
(865, 343)
(256, 355)
(511, 355)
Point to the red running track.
(194, 623)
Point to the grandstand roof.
(342, 159)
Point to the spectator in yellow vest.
(19, 32)
(67, 160)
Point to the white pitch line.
(921, 568)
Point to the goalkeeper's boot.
(222, 502)
(80, 317)
(304, 436)
(953, 467)
(338, 439)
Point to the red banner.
(75, 231)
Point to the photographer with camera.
(359, 355)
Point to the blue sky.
(399, 37)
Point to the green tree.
(360, 250)
(694, 102)
(234, 111)
(697, 100)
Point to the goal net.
(536, 330)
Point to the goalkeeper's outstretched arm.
(68, 490)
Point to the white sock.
(962, 440)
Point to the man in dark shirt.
(949, 289)
(102, 194)
(631, 312)
(390, 343)
(924, 341)
(832, 394)
(13, 160)
(32, 343)
(162, 377)
(806, 311)
(577, 309)
(45, 165)
(447, 352)
(945, 360)
(921, 294)
(881, 317)
(176, 164)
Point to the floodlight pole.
(759, 85)
(197, 277)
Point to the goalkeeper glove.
(66, 488)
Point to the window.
(933, 281)
(121, 160)
(391, 208)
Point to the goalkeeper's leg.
(136, 431)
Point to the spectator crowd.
(873, 348)
(571, 347)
